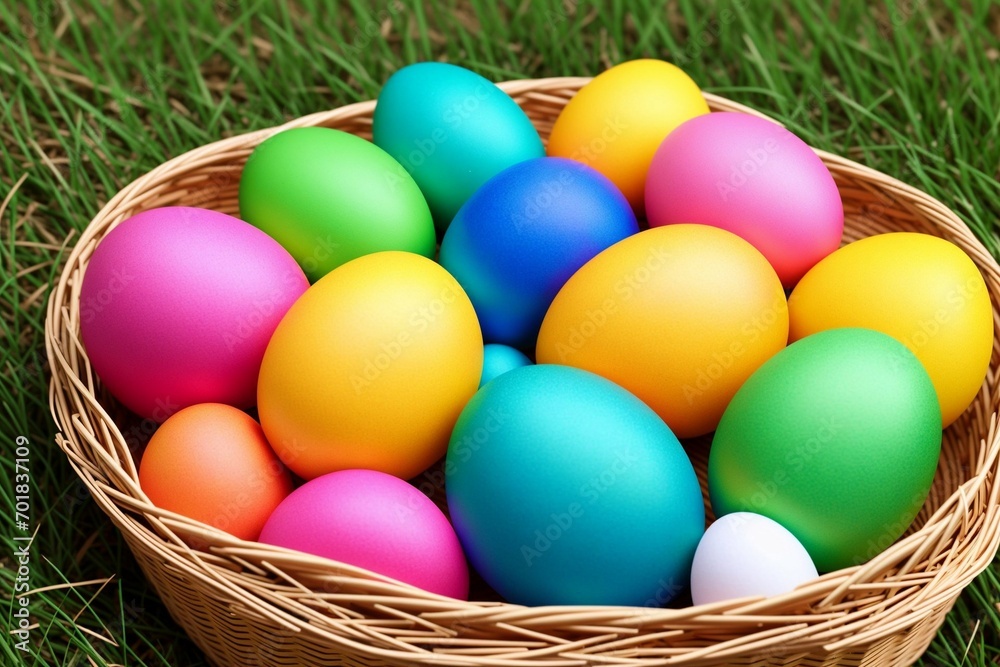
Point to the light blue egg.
(498, 359)
(452, 130)
(564, 488)
(521, 236)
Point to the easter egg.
(328, 197)
(374, 521)
(498, 359)
(370, 368)
(616, 122)
(566, 489)
(923, 291)
(523, 234)
(679, 315)
(211, 462)
(836, 438)
(452, 130)
(751, 177)
(177, 306)
(747, 555)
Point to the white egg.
(744, 555)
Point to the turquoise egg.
(452, 130)
(564, 488)
(498, 359)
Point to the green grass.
(93, 94)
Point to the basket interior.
(262, 581)
(866, 212)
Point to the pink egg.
(751, 177)
(177, 307)
(375, 521)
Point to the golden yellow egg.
(922, 290)
(617, 121)
(370, 368)
(678, 315)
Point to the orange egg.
(678, 315)
(210, 462)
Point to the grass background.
(93, 94)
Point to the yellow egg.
(617, 121)
(920, 289)
(678, 315)
(370, 368)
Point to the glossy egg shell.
(566, 489)
(177, 306)
(923, 291)
(678, 315)
(754, 178)
(374, 521)
(616, 122)
(211, 462)
(747, 555)
(329, 197)
(521, 236)
(498, 359)
(371, 368)
(452, 130)
(836, 438)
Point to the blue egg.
(564, 488)
(452, 130)
(522, 235)
(498, 359)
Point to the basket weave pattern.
(245, 603)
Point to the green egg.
(329, 197)
(836, 438)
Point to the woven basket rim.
(953, 546)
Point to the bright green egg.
(329, 197)
(836, 438)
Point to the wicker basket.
(245, 603)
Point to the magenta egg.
(177, 307)
(375, 521)
(754, 178)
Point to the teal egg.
(836, 438)
(565, 488)
(498, 359)
(452, 130)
